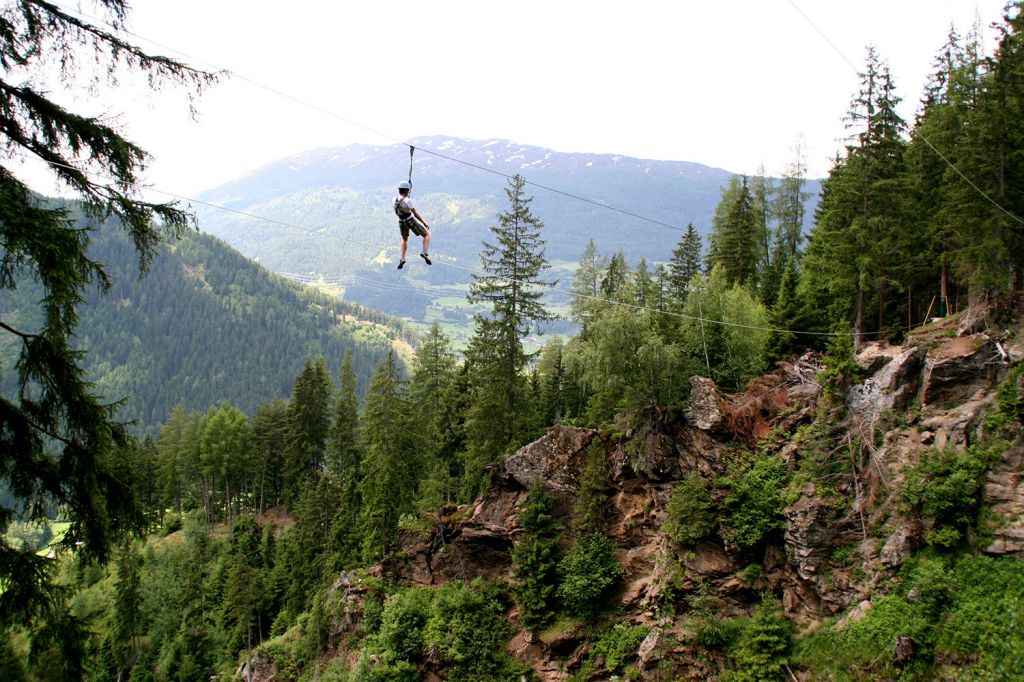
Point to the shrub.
(947, 489)
(589, 570)
(755, 500)
(689, 511)
(759, 651)
(618, 645)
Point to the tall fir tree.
(511, 287)
(735, 240)
(59, 441)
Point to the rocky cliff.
(851, 441)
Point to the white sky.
(728, 84)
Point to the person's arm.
(420, 218)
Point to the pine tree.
(343, 446)
(269, 439)
(735, 241)
(859, 243)
(586, 283)
(987, 209)
(433, 411)
(128, 616)
(58, 440)
(499, 416)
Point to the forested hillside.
(205, 324)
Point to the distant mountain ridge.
(337, 204)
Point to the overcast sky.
(728, 84)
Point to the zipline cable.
(384, 135)
(441, 261)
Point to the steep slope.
(888, 490)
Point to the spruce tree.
(586, 283)
(535, 560)
(735, 241)
(390, 465)
(309, 422)
(499, 417)
(687, 261)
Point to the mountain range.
(327, 212)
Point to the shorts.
(412, 225)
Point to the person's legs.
(401, 250)
(426, 243)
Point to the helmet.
(404, 185)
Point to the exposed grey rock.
(652, 649)
(551, 459)
(704, 408)
(893, 384)
(1004, 490)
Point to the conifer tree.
(432, 408)
(586, 284)
(535, 560)
(269, 442)
(859, 242)
(128, 616)
(687, 261)
(499, 417)
(343, 447)
(309, 422)
(735, 241)
(58, 440)
(390, 464)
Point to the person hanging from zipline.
(410, 220)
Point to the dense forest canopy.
(252, 513)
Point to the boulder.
(704, 408)
(552, 458)
(892, 385)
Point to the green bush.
(689, 516)
(463, 627)
(755, 500)
(401, 626)
(589, 571)
(619, 644)
(964, 618)
(946, 488)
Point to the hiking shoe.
(401, 264)
(426, 258)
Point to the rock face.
(958, 370)
(1004, 489)
(893, 383)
